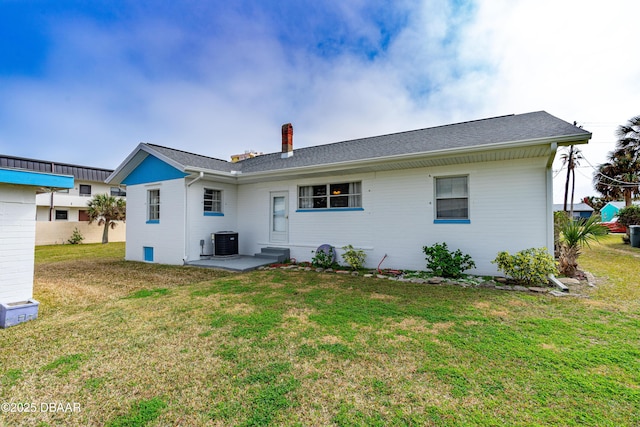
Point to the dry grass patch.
(383, 297)
(436, 328)
(413, 324)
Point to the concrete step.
(277, 254)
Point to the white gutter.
(187, 235)
(234, 176)
(198, 178)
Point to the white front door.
(279, 217)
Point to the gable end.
(152, 169)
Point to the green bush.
(629, 215)
(354, 257)
(530, 266)
(76, 237)
(444, 263)
(324, 259)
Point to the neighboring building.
(17, 239)
(60, 212)
(389, 195)
(610, 210)
(580, 210)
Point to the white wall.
(507, 209)
(59, 232)
(42, 213)
(166, 237)
(71, 201)
(201, 226)
(17, 237)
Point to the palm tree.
(620, 177)
(574, 234)
(571, 159)
(106, 210)
(629, 135)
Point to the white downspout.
(549, 215)
(197, 178)
(187, 235)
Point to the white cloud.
(224, 84)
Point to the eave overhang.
(544, 147)
(511, 150)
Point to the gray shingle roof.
(522, 127)
(193, 160)
(504, 129)
(81, 173)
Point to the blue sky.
(85, 82)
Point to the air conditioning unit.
(225, 243)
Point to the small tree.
(76, 237)
(574, 234)
(106, 210)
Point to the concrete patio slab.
(238, 263)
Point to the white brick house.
(389, 195)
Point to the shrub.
(530, 266)
(444, 263)
(354, 257)
(76, 237)
(629, 215)
(325, 257)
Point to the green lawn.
(137, 344)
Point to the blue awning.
(35, 179)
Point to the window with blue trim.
(153, 204)
(452, 198)
(212, 202)
(330, 196)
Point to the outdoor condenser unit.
(225, 243)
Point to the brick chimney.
(287, 141)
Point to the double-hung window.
(212, 202)
(118, 192)
(85, 190)
(62, 215)
(346, 195)
(452, 199)
(153, 204)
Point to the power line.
(619, 183)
